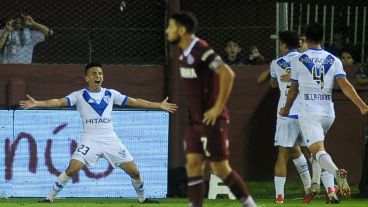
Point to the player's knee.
(282, 158)
(135, 174)
(193, 169)
(71, 172)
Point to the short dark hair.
(91, 65)
(314, 33)
(186, 19)
(290, 38)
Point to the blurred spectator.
(361, 77)
(18, 39)
(233, 53)
(340, 38)
(348, 56)
(302, 43)
(255, 57)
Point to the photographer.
(18, 39)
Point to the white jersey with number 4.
(95, 110)
(279, 67)
(315, 70)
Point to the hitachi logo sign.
(98, 121)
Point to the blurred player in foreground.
(95, 105)
(209, 82)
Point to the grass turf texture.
(262, 191)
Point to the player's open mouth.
(97, 81)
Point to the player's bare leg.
(63, 178)
(195, 166)
(223, 170)
(132, 170)
(325, 161)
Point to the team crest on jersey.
(98, 107)
(190, 59)
(106, 99)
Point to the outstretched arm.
(51, 103)
(141, 103)
(350, 92)
(292, 94)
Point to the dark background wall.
(252, 107)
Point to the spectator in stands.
(233, 53)
(255, 57)
(17, 40)
(340, 37)
(348, 56)
(361, 77)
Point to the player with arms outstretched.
(95, 105)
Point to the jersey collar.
(290, 51)
(315, 49)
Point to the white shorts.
(315, 127)
(288, 132)
(90, 151)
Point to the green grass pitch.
(262, 191)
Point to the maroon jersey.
(198, 64)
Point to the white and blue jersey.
(287, 129)
(95, 110)
(279, 67)
(315, 71)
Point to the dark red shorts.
(211, 141)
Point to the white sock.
(328, 180)
(139, 188)
(316, 170)
(279, 185)
(325, 161)
(249, 202)
(302, 167)
(62, 180)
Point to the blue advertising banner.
(38, 145)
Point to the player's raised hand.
(170, 107)
(30, 103)
(284, 111)
(210, 117)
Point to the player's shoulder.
(202, 43)
(332, 56)
(201, 46)
(113, 91)
(80, 91)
